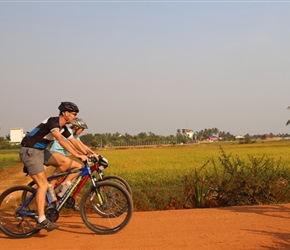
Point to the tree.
(4, 143)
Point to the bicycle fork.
(96, 192)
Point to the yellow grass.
(180, 159)
(156, 173)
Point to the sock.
(41, 218)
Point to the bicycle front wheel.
(108, 209)
(18, 216)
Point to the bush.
(232, 181)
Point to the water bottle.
(64, 188)
(58, 188)
(51, 193)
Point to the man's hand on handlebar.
(96, 156)
(83, 158)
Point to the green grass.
(8, 158)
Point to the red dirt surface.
(246, 227)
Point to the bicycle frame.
(77, 185)
(82, 179)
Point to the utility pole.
(195, 136)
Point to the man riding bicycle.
(34, 154)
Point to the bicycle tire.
(117, 208)
(13, 223)
(31, 184)
(119, 180)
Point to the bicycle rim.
(109, 211)
(16, 220)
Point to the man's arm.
(67, 146)
(79, 145)
(85, 148)
(89, 150)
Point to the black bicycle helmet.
(68, 106)
(78, 122)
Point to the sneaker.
(46, 224)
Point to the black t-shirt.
(41, 136)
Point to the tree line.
(143, 138)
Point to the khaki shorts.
(34, 159)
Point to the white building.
(188, 133)
(16, 135)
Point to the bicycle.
(105, 208)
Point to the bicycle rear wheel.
(119, 180)
(17, 216)
(107, 211)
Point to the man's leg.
(33, 160)
(40, 198)
(62, 163)
(42, 183)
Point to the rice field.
(167, 162)
(172, 162)
(156, 173)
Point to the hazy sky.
(147, 66)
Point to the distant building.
(213, 138)
(16, 135)
(188, 133)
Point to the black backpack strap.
(25, 170)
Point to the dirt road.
(238, 228)
(255, 227)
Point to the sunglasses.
(74, 113)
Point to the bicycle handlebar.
(102, 161)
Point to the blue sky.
(147, 66)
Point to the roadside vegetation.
(198, 175)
